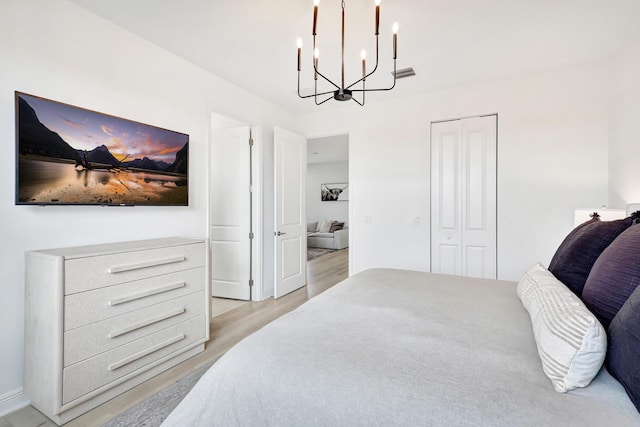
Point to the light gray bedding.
(398, 348)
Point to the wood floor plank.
(222, 305)
(226, 331)
(28, 417)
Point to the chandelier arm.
(363, 92)
(316, 94)
(362, 79)
(376, 89)
(364, 82)
(322, 102)
(321, 75)
(381, 89)
(373, 90)
(299, 85)
(313, 94)
(315, 68)
(373, 71)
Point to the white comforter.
(398, 348)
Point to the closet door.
(463, 197)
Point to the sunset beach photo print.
(70, 155)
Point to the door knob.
(279, 233)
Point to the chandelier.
(342, 92)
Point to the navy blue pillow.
(614, 276)
(623, 352)
(577, 253)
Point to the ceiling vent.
(405, 72)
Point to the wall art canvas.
(67, 155)
(334, 192)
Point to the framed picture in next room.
(335, 192)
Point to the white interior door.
(230, 213)
(446, 213)
(290, 158)
(464, 197)
(479, 195)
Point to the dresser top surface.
(118, 247)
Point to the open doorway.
(327, 209)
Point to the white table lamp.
(632, 207)
(606, 214)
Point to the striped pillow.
(571, 342)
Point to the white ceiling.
(328, 149)
(252, 43)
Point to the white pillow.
(571, 342)
(325, 226)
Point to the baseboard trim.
(12, 401)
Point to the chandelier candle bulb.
(395, 40)
(299, 43)
(315, 14)
(316, 54)
(377, 17)
(363, 55)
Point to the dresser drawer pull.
(146, 352)
(146, 293)
(147, 322)
(146, 264)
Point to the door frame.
(352, 193)
(263, 231)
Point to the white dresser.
(101, 319)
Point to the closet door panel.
(480, 196)
(446, 217)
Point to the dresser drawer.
(87, 307)
(86, 376)
(90, 340)
(87, 273)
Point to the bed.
(398, 348)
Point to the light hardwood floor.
(219, 306)
(226, 330)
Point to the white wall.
(58, 50)
(552, 158)
(624, 132)
(326, 173)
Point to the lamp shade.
(584, 214)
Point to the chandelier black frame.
(343, 93)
